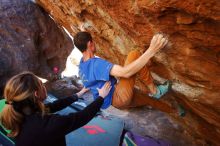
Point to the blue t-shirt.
(94, 73)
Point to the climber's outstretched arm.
(157, 43)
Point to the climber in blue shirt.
(95, 71)
(93, 77)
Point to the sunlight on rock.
(72, 63)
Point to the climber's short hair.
(81, 39)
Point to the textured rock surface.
(29, 40)
(64, 87)
(191, 60)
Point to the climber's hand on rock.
(158, 42)
(82, 27)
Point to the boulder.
(190, 60)
(30, 40)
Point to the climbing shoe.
(161, 90)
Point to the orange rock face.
(191, 59)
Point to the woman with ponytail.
(31, 122)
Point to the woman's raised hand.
(103, 92)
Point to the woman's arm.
(61, 103)
(62, 125)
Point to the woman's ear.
(39, 95)
(36, 94)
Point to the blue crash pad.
(101, 130)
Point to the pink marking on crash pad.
(90, 131)
(93, 129)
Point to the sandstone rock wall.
(29, 40)
(191, 59)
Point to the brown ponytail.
(11, 120)
(18, 89)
